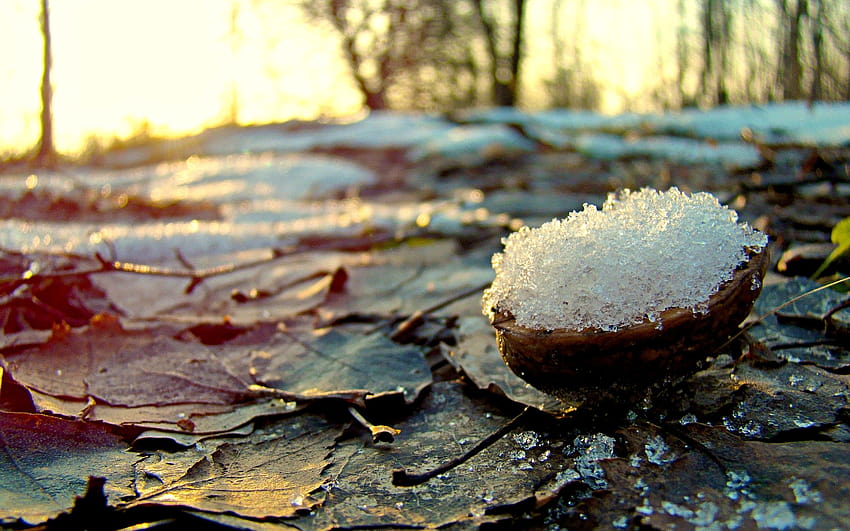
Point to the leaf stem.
(403, 478)
(780, 308)
(380, 433)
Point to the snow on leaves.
(218, 383)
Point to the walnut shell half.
(563, 359)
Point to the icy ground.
(275, 185)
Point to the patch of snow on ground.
(733, 155)
(262, 224)
(564, 120)
(243, 177)
(377, 130)
(473, 144)
(269, 200)
(822, 124)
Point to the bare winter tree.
(46, 153)
(504, 39)
(234, 36)
(404, 53)
(717, 32)
(572, 85)
(831, 21)
(816, 27)
(790, 70)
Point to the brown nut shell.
(562, 358)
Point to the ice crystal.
(644, 252)
(590, 449)
(803, 491)
(527, 439)
(657, 451)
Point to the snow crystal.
(590, 450)
(803, 491)
(677, 510)
(774, 515)
(644, 252)
(657, 451)
(527, 439)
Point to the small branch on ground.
(197, 276)
(403, 478)
(406, 328)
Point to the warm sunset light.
(124, 68)
(119, 65)
(424, 264)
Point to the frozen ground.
(275, 184)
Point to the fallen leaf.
(275, 289)
(333, 360)
(275, 472)
(60, 366)
(518, 471)
(796, 333)
(164, 371)
(45, 462)
(477, 356)
(707, 478)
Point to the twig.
(402, 478)
(198, 276)
(404, 329)
(778, 309)
(380, 433)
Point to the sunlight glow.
(159, 67)
(122, 67)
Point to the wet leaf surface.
(330, 360)
(277, 289)
(45, 463)
(723, 482)
(799, 332)
(276, 471)
(28, 303)
(519, 469)
(128, 368)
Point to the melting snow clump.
(644, 252)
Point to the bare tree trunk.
(708, 39)
(725, 23)
(717, 35)
(374, 97)
(490, 40)
(516, 48)
(46, 154)
(782, 51)
(504, 80)
(847, 59)
(235, 37)
(816, 90)
(792, 81)
(681, 55)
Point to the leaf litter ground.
(222, 398)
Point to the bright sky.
(119, 63)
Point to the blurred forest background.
(444, 55)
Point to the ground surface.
(184, 343)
